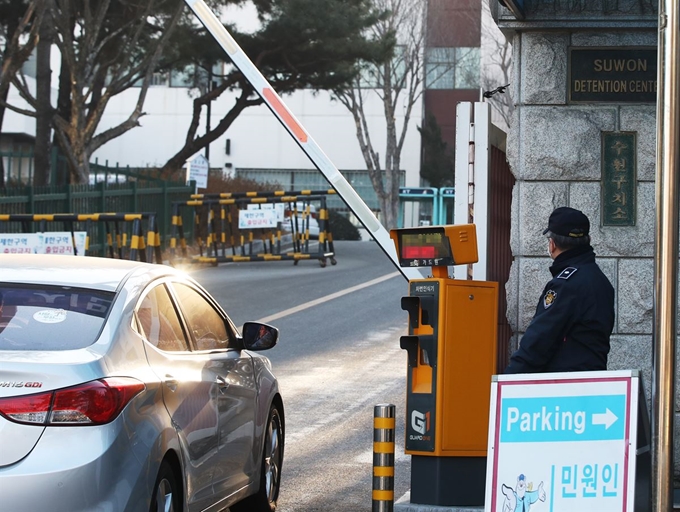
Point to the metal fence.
(19, 169)
(130, 197)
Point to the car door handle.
(171, 382)
(222, 383)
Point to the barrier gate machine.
(451, 347)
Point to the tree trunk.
(64, 111)
(43, 123)
(3, 97)
(193, 145)
(79, 165)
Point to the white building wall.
(257, 138)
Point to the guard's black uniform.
(573, 321)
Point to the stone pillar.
(555, 152)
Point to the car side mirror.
(257, 336)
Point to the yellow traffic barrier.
(218, 241)
(119, 228)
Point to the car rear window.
(51, 317)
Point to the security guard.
(575, 314)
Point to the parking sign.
(562, 442)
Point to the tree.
(497, 69)
(43, 107)
(106, 47)
(398, 83)
(313, 44)
(19, 32)
(437, 166)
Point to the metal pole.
(666, 256)
(383, 457)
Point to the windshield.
(50, 317)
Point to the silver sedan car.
(125, 387)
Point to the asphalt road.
(338, 356)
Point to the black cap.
(569, 222)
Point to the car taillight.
(92, 403)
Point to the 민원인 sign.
(562, 442)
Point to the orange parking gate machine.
(221, 244)
(452, 355)
(124, 233)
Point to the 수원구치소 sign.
(562, 442)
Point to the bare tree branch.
(133, 119)
(16, 52)
(29, 113)
(399, 86)
(103, 54)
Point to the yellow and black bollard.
(383, 457)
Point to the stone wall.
(554, 150)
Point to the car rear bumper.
(73, 469)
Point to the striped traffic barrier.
(383, 457)
(212, 217)
(145, 247)
(268, 193)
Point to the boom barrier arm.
(299, 134)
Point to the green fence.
(18, 166)
(102, 197)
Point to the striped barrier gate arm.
(313, 151)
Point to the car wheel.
(166, 495)
(264, 500)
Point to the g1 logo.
(420, 422)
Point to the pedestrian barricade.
(131, 236)
(253, 226)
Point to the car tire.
(267, 495)
(166, 495)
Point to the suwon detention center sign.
(562, 442)
(612, 75)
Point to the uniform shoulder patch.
(549, 298)
(567, 273)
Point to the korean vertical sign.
(619, 162)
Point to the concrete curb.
(404, 504)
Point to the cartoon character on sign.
(522, 496)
